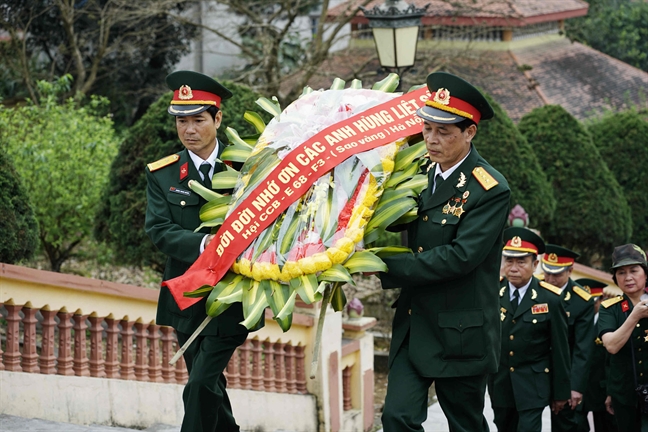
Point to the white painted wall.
(135, 404)
(219, 55)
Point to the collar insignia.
(462, 180)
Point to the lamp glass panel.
(384, 38)
(406, 39)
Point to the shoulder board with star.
(582, 293)
(549, 287)
(538, 276)
(611, 301)
(484, 178)
(165, 161)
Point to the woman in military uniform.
(623, 328)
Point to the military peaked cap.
(194, 92)
(453, 100)
(557, 259)
(520, 242)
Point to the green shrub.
(120, 221)
(622, 139)
(18, 225)
(62, 153)
(506, 149)
(592, 215)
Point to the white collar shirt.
(522, 291)
(447, 173)
(211, 160)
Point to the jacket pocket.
(462, 334)
(184, 210)
(447, 224)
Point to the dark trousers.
(629, 418)
(604, 422)
(461, 399)
(509, 419)
(569, 420)
(207, 407)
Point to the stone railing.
(66, 327)
(78, 344)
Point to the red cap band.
(555, 260)
(516, 244)
(442, 100)
(186, 96)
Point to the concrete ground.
(435, 422)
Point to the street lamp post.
(395, 26)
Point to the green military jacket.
(621, 378)
(448, 303)
(579, 305)
(172, 215)
(595, 394)
(534, 364)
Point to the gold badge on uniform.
(185, 93)
(516, 241)
(534, 294)
(540, 308)
(442, 96)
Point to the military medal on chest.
(455, 205)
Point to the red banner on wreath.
(291, 179)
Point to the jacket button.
(546, 370)
(425, 218)
(443, 222)
(535, 321)
(182, 203)
(409, 311)
(513, 321)
(511, 337)
(512, 369)
(420, 249)
(511, 353)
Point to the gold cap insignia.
(442, 96)
(516, 241)
(185, 93)
(553, 258)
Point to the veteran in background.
(534, 363)
(596, 393)
(623, 328)
(557, 264)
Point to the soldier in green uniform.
(623, 328)
(446, 325)
(172, 215)
(557, 264)
(596, 392)
(534, 363)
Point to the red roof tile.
(490, 12)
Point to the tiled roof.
(515, 12)
(495, 72)
(579, 78)
(583, 80)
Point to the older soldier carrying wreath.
(534, 363)
(446, 326)
(172, 215)
(557, 264)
